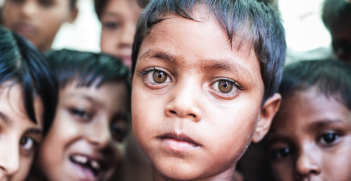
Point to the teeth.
(80, 159)
(95, 165)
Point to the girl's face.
(19, 136)
(86, 139)
(119, 20)
(310, 139)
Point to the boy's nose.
(9, 158)
(100, 134)
(29, 8)
(307, 163)
(183, 103)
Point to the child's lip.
(25, 29)
(179, 142)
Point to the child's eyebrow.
(209, 64)
(324, 123)
(6, 119)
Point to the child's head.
(118, 19)
(28, 95)
(38, 20)
(310, 137)
(205, 75)
(86, 141)
(337, 18)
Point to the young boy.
(205, 75)
(310, 138)
(337, 18)
(87, 138)
(28, 96)
(38, 20)
(118, 19)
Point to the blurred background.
(306, 36)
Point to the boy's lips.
(25, 29)
(178, 142)
(87, 168)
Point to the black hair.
(330, 77)
(335, 12)
(257, 20)
(87, 68)
(101, 4)
(21, 63)
(73, 4)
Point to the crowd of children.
(182, 90)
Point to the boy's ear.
(73, 15)
(268, 110)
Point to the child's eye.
(329, 138)
(155, 76)
(111, 25)
(81, 114)
(118, 132)
(281, 153)
(28, 144)
(224, 86)
(46, 3)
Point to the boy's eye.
(159, 76)
(329, 138)
(118, 132)
(281, 153)
(46, 3)
(80, 114)
(27, 143)
(225, 86)
(111, 25)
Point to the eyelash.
(147, 71)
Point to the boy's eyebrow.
(6, 119)
(87, 97)
(35, 130)
(323, 123)
(224, 64)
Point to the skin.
(89, 121)
(310, 138)
(19, 136)
(193, 57)
(341, 40)
(119, 20)
(38, 20)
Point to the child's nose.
(307, 163)
(29, 8)
(184, 103)
(9, 158)
(100, 134)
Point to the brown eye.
(225, 86)
(159, 76)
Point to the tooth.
(95, 165)
(80, 159)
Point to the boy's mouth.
(91, 169)
(178, 142)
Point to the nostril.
(173, 112)
(193, 115)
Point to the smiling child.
(28, 96)
(205, 75)
(87, 138)
(310, 137)
(38, 20)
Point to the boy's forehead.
(200, 40)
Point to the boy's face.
(119, 20)
(86, 140)
(37, 20)
(19, 136)
(341, 40)
(310, 139)
(195, 99)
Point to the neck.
(227, 175)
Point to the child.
(205, 75)
(38, 20)
(28, 95)
(119, 19)
(310, 138)
(337, 18)
(87, 138)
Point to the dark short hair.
(265, 30)
(330, 77)
(101, 4)
(21, 63)
(87, 68)
(335, 12)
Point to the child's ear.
(73, 15)
(268, 111)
